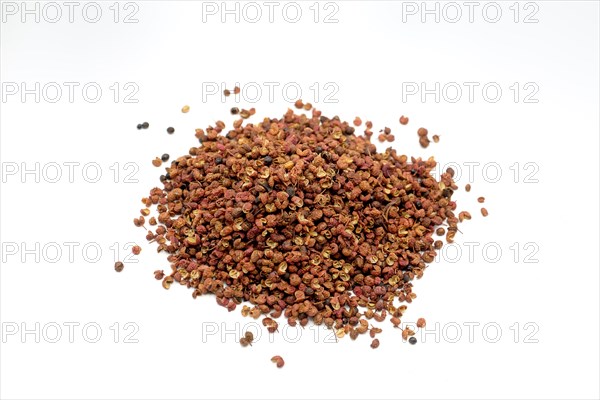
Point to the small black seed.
(235, 110)
(218, 160)
(412, 340)
(170, 130)
(165, 157)
(268, 160)
(139, 126)
(145, 125)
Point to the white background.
(372, 54)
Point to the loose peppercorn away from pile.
(300, 216)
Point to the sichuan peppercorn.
(303, 218)
(119, 266)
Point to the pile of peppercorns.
(301, 217)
